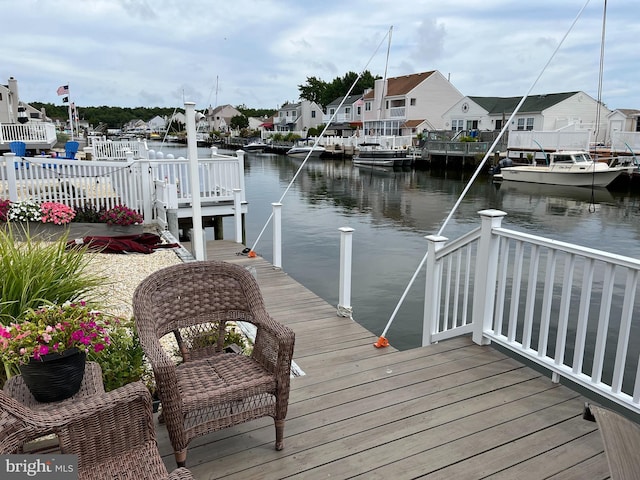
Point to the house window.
(332, 111)
(472, 124)
(530, 123)
(367, 106)
(498, 125)
(412, 102)
(347, 110)
(637, 123)
(521, 124)
(457, 125)
(313, 114)
(386, 105)
(359, 110)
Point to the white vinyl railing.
(143, 185)
(109, 150)
(574, 310)
(31, 132)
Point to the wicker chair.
(210, 389)
(112, 434)
(621, 439)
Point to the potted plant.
(122, 220)
(48, 346)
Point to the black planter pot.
(56, 376)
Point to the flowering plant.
(26, 211)
(121, 215)
(53, 329)
(58, 213)
(29, 211)
(4, 209)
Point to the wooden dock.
(454, 410)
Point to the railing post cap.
(346, 229)
(436, 238)
(276, 204)
(492, 213)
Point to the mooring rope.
(382, 341)
(253, 247)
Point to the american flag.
(63, 90)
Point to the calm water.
(392, 211)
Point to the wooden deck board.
(450, 410)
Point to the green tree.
(323, 93)
(239, 121)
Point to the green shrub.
(35, 272)
(122, 361)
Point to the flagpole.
(70, 113)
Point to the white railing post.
(344, 295)
(194, 181)
(9, 161)
(432, 288)
(240, 154)
(484, 293)
(147, 193)
(277, 235)
(237, 214)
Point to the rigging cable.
(293, 179)
(382, 341)
(592, 204)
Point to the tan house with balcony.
(301, 116)
(408, 104)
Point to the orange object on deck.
(252, 254)
(382, 342)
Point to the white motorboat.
(302, 148)
(255, 147)
(565, 167)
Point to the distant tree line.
(315, 90)
(117, 117)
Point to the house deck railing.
(145, 185)
(572, 310)
(31, 132)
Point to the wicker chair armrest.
(273, 347)
(181, 474)
(123, 415)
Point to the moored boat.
(565, 167)
(302, 149)
(255, 147)
(374, 154)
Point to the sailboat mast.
(384, 83)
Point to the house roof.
(629, 112)
(402, 85)
(413, 123)
(351, 99)
(533, 103)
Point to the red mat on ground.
(142, 243)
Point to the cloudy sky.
(149, 53)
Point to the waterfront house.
(408, 104)
(219, 118)
(21, 122)
(545, 112)
(623, 134)
(157, 124)
(348, 116)
(299, 116)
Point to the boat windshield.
(582, 157)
